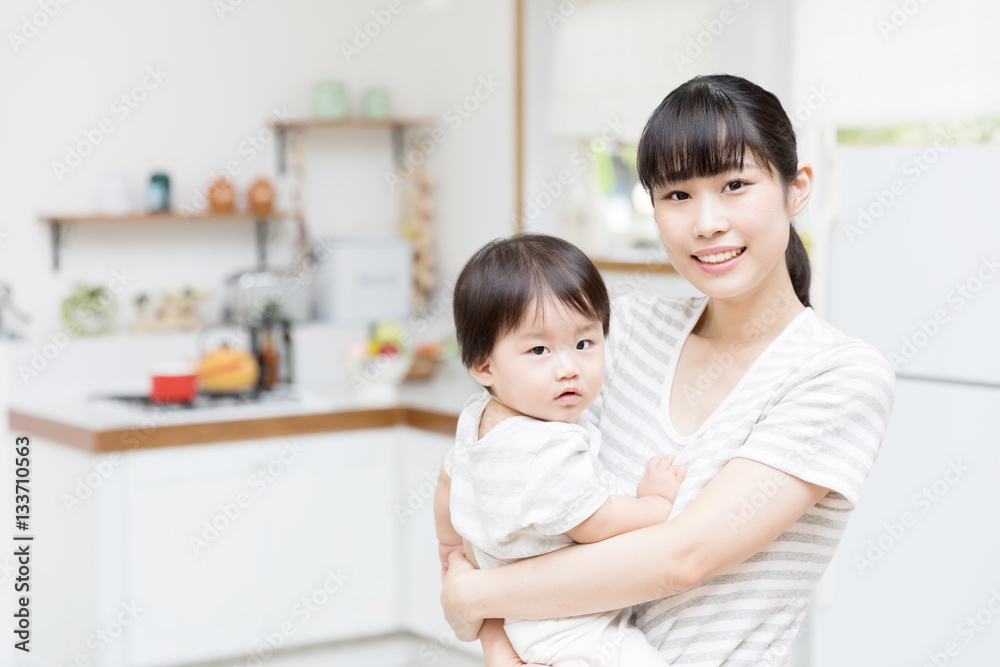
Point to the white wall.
(224, 76)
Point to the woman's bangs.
(693, 138)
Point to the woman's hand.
(454, 585)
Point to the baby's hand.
(444, 551)
(662, 478)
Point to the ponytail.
(797, 260)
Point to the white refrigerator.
(914, 271)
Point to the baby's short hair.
(507, 276)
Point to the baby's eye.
(539, 349)
(584, 344)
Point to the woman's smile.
(719, 261)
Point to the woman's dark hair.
(709, 125)
(508, 276)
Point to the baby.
(531, 314)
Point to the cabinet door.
(421, 455)
(333, 570)
(195, 560)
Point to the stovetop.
(202, 400)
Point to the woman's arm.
(714, 533)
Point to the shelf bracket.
(56, 229)
(261, 228)
(398, 136)
(280, 148)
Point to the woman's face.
(727, 234)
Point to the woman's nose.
(710, 218)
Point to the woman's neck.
(748, 318)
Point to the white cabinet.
(195, 559)
(225, 550)
(421, 454)
(333, 548)
(249, 546)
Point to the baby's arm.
(448, 538)
(620, 514)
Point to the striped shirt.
(815, 404)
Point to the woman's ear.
(482, 373)
(801, 189)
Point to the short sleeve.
(827, 427)
(563, 487)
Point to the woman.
(777, 415)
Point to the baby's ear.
(482, 373)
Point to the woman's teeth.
(720, 257)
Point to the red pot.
(174, 386)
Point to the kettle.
(227, 368)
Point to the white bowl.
(378, 377)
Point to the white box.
(365, 279)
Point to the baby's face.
(551, 367)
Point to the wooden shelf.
(166, 216)
(652, 267)
(398, 126)
(353, 122)
(56, 221)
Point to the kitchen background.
(293, 525)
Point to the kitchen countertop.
(100, 425)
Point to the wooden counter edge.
(139, 437)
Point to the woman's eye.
(584, 344)
(538, 350)
(733, 186)
(678, 196)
